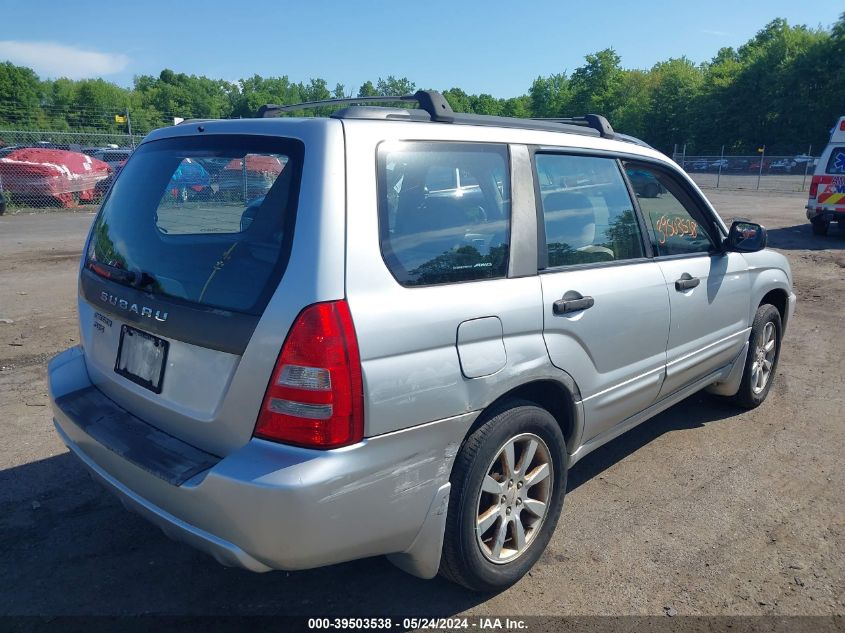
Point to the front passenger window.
(676, 225)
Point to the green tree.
(367, 89)
(550, 96)
(458, 99)
(395, 87)
(595, 85)
(20, 95)
(670, 112)
(784, 87)
(256, 91)
(632, 99)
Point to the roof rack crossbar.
(432, 102)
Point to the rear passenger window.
(676, 224)
(588, 215)
(444, 211)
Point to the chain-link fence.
(757, 172)
(64, 169)
(51, 168)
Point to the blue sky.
(494, 47)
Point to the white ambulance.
(827, 190)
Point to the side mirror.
(746, 237)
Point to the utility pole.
(129, 128)
(721, 160)
(807, 166)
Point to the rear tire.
(762, 360)
(508, 484)
(820, 227)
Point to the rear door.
(605, 304)
(708, 288)
(183, 263)
(444, 318)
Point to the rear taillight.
(315, 397)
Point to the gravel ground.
(704, 509)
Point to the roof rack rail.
(433, 106)
(594, 121)
(430, 101)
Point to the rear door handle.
(572, 301)
(686, 282)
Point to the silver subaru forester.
(391, 331)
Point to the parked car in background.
(804, 162)
(42, 176)
(252, 176)
(190, 180)
(783, 165)
(644, 183)
(827, 189)
(112, 157)
(105, 184)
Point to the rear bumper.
(223, 551)
(270, 506)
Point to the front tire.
(762, 360)
(508, 484)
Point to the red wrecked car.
(253, 179)
(39, 175)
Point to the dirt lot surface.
(705, 509)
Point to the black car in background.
(645, 184)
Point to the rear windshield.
(836, 164)
(205, 220)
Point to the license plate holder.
(141, 358)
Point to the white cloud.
(51, 59)
(715, 33)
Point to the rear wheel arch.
(549, 394)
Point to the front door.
(708, 288)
